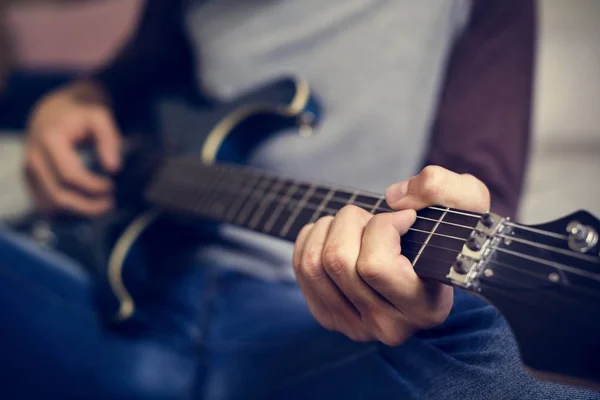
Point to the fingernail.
(396, 191)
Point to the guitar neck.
(280, 207)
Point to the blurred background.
(564, 170)
(564, 173)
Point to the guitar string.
(330, 211)
(509, 285)
(545, 247)
(538, 231)
(544, 293)
(422, 269)
(541, 276)
(374, 209)
(252, 171)
(508, 223)
(570, 253)
(537, 245)
(518, 254)
(318, 196)
(558, 266)
(383, 209)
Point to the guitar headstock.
(545, 280)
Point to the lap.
(246, 338)
(264, 341)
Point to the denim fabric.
(225, 335)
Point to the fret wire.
(225, 196)
(250, 171)
(365, 206)
(203, 191)
(322, 205)
(355, 193)
(258, 192)
(438, 234)
(353, 197)
(264, 203)
(376, 206)
(448, 211)
(303, 203)
(238, 204)
(431, 245)
(429, 238)
(446, 223)
(214, 191)
(280, 207)
(334, 211)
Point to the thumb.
(107, 139)
(435, 185)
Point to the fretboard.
(280, 207)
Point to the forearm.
(483, 125)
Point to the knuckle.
(389, 331)
(351, 211)
(67, 176)
(370, 268)
(59, 199)
(377, 221)
(334, 260)
(432, 182)
(311, 266)
(326, 220)
(393, 338)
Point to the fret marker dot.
(488, 273)
(507, 241)
(554, 277)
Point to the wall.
(564, 172)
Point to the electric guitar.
(544, 279)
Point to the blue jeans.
(225, 335)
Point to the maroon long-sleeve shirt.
(483, 121)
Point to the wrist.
(89, 91)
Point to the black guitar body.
(227, 132)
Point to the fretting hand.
(351, 270)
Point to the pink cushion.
(71, 36)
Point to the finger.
(315, 305)
(340, 255)
(382, 266)
(333, 307)
(107, 138)
(56, 197)
(299, 245)
(64, 160)
(438, 186)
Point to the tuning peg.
(581, 237)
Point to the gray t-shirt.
(375, 65)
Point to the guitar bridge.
(470, 262)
